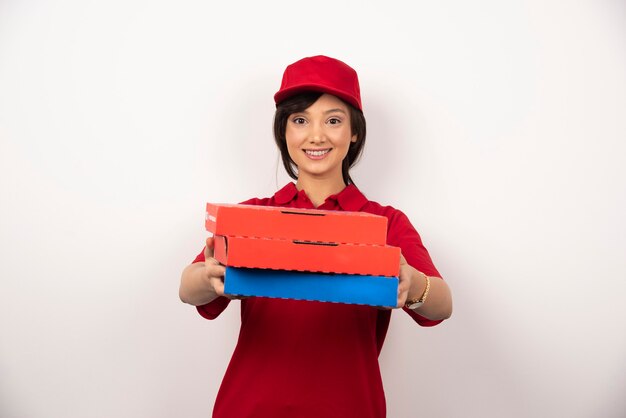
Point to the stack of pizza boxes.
(305, 254)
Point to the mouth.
(317, 154)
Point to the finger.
(404, 279)
(214, 269)
(208, 250)
(404, 283)
(402, 299)
(403, 293)
(218, 286)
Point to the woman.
(315, 359)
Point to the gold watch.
(416, 303)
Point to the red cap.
(324, 74)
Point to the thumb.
(402, 259)
(208, 250)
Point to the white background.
(497, 126)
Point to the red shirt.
(313, 359)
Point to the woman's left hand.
(412, 284)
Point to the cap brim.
(293, 90)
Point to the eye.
(298, 120)
(334, 121)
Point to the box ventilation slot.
(286, 212)
(329, 244)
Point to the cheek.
(344, 138)
(291, 144)
(294, 139)
(291, 137)
(293, 153)
(292, 148)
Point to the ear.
(353, 139)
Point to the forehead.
(328, 102)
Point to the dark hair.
(302, 101)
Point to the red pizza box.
(263, 253)
(296, 224)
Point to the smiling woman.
(299, 358)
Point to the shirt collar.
(349, 199)
(286, 194)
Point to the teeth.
(317, 153)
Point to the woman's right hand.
(203, 282)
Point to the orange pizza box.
(296, 224)
(298, 255)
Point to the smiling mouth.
(318, 153)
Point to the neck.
(319, 189)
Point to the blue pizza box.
(357, 289)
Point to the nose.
(316, 135)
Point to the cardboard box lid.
(300, 224)
(340, 288)
(296, 255)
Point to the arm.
(202, 282)
(412, 280)
(438, 304)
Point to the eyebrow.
(327, 111)
(335, 110)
